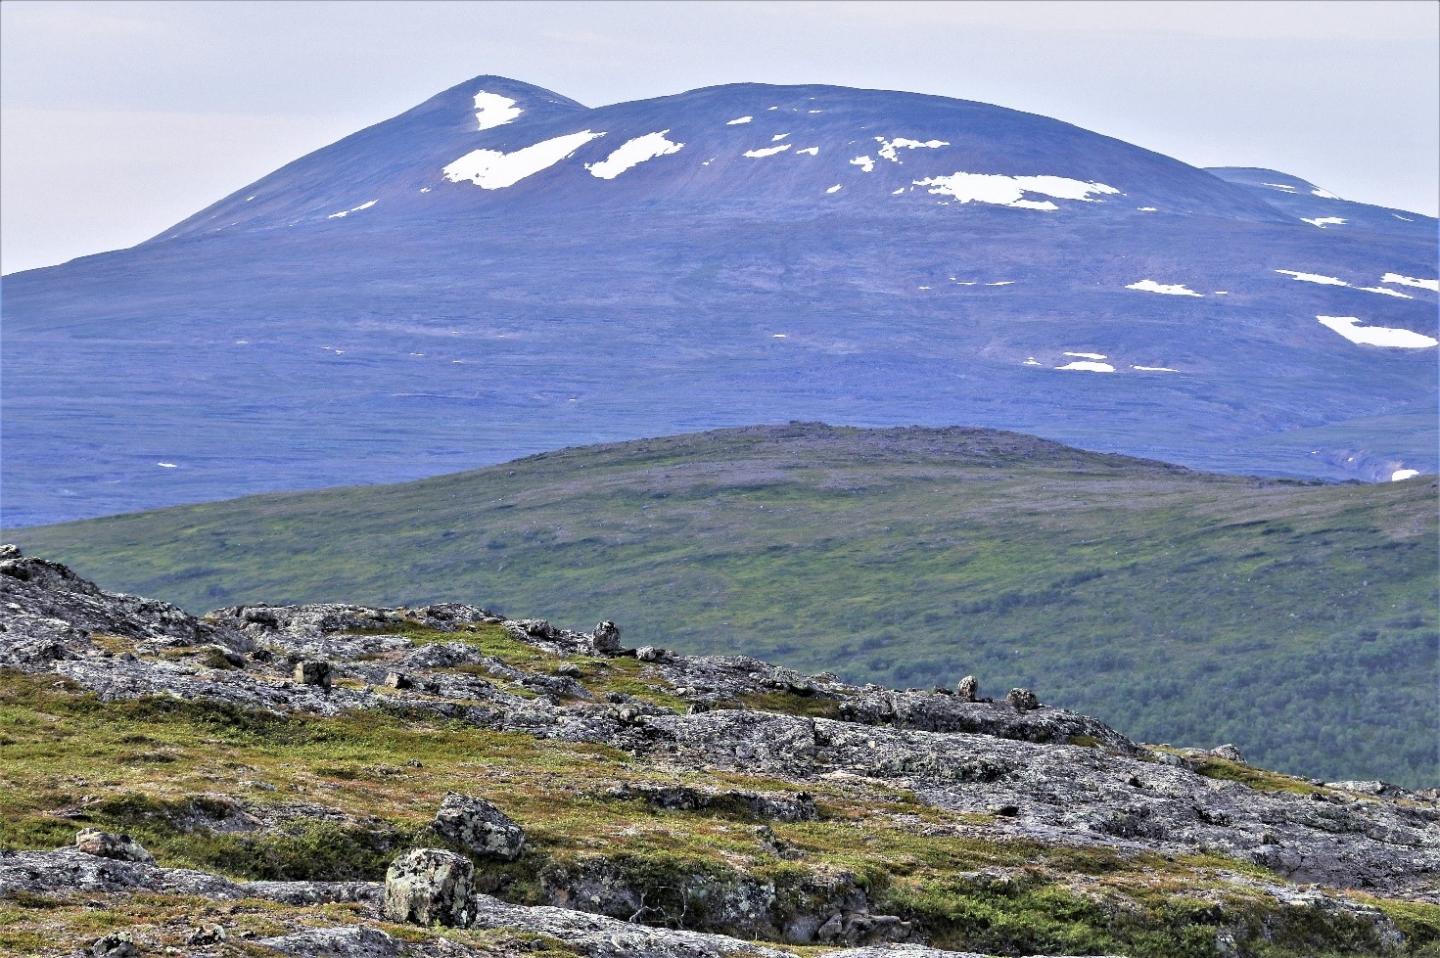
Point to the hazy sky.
(118, 119)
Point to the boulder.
(313, 672)
(430, 886)
(479, 827)
(605, 639)
(968, 690)
(1022, 700)
(92, 841)
(649, 653)
(117, 944)
(1229, 752)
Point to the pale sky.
(118, 119)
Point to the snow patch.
(1002, 282)
(1323, 194)
(1383, 291)
(865, 163)
(834, 189)
(1312, 278)
(1350, 328)
(1083, 365)
(778, 137)
(1031, 361)
(767, 151)
(1400, 475)
(1167, 289)
(1147, 209)
(1399, 217)
(424, 189)
(343, 213)
(1088, 355)
(1397, 280)
(812, 150)
(1002, 190)
(739, 120)
(888, 148)
(1324, 221)
(1155, 369)
(1280, 186)
(494, 170)
(167, 465)
(492, 110)
(632, 153)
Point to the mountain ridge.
(427, 296)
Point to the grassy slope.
(1296, 620)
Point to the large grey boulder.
(479, 827)
(430, 886)
(605, 640)
(92, 841)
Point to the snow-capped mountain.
(501, 270)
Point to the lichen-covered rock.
(430, 886)
(311, 672)
(1022, 700)
(117, 944)
(123, 848)
(605, 639)
(968, 689)
(479, 827)
(1229, 752)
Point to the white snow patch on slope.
(778, 137)
(1395, 278)
(1088, 355)
(632, 153)
(1147, 209)
(1005, 190)
(1350, 328)
(1324, 221)
(1323, 194)
(1312, 278)
(888, 148)
(1089, 367)
(865, 163)
(739, 120)
(767, 151)
(1002, 282)
(494, 170)
(1280, 186)
(1155, 369)
(812, 150)
(492, 110)
(1400, 475)
(1167, 289)
(835, 189)
(1399, 217)
(1335, 281)
(1031, 361)
(166, 465)
(354, 209)
(1383, 291)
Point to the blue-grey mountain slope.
(502, 270)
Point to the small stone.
(430, 886)
(209, 935)
(605, 639)
(313, 672)
(1022, 699)
(398, 680)
(648, 653)
(115, 945)
(1229, 752)
(479, 827)
(569, 670)
(968, 689)
(92, 841)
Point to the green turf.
(1297, 620)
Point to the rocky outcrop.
(673, 728)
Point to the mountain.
(360, 782)
(502, 270)
(1296, 619)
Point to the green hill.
(1295, 619)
